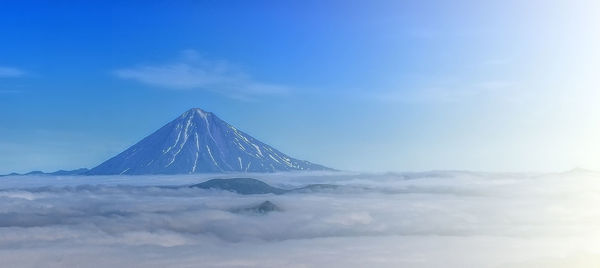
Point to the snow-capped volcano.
(200, 142)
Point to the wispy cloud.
(498, 61)
(451, 92)
(9, 91)
(191, 71)
(10, 72)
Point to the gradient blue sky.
(355, 85)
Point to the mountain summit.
(200, 142)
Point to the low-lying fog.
(433, 219)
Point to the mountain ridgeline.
(248, 186)
(200, 142)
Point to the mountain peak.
(197, 111)
(200, 142)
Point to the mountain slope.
(200, 142)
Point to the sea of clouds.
(429, 219)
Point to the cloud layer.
(192, 71)
(449, 219)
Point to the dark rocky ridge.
(248, 186)
(262, 208)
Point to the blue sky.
(355, 85)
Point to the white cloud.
(9, 91)
(435, 219)
(454, 92)
(192, 71)
(498, 61)
(10, 72)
